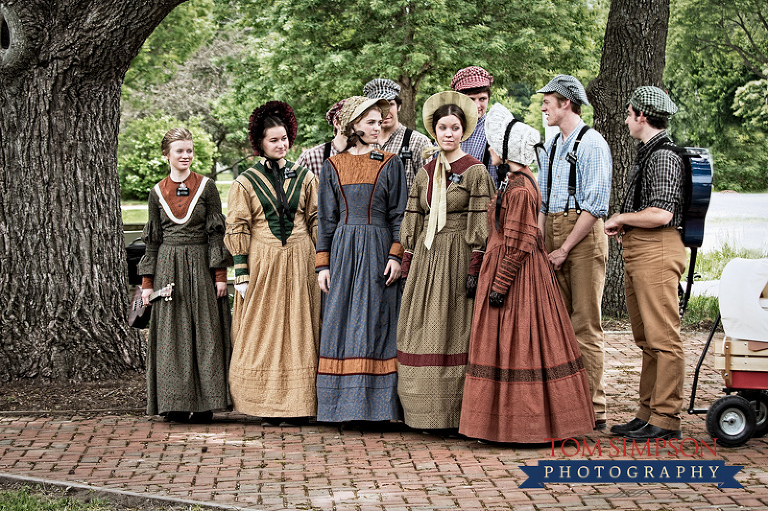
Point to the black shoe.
(201, 417)
(177, 417)
(600, 425)
(623, 429)
(650, 432)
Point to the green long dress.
(189, 339)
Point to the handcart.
(741, 356)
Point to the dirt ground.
(128, 394)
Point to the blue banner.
(631, 471)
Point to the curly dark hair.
(269, 115)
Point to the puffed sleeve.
(310, 205)
(238, 230)
(215, 225)
(481, 189)
(152, 237)
(520, 232)
(413, 218)
(397, 198)
(328, 199)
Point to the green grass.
(709, 265)
(25, 500)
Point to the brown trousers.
(581, 280)
(654, 261)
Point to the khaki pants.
(654, 261)
(581, 279)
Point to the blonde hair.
(174, 135)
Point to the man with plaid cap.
(575, 183)
(314, 158)
(394, 137)
(475, 82)
(654, 258)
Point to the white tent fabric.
(743, 300)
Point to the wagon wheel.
(759, 401)
(731, 420)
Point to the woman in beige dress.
(271, 232)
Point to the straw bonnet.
(521, 140)
(450, 98)
(356, 106)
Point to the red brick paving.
(237, 461)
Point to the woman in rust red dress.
(525, 379)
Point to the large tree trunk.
(62, 256)
(633, 55)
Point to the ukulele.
(139, 314)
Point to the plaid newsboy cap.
(331, 114)
(568, 86)
(381, 88)
(652, 101)
(472, 77)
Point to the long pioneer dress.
(436, 315)
(189, 342)
(362, 198)
(275, 332)
(525, 378)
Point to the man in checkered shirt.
(654, 258)
(394, 137)
(314, 158)
(475, 82)
(572, 222)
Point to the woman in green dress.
(189, 345)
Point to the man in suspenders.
(314, 158)
(394, 137)
(654, 257)
(575, 183)
(475, 82)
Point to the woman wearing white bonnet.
(525, 378)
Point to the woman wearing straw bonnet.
(271, 231)
(444, 233)
(525, 378)
(362, 198)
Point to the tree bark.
(63, 268)
(633, 55)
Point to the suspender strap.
(406, 138)
(327, 151)
(570, 158)
(486, 156)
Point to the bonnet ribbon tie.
(439, 201)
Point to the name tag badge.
(455, 178)
(406, 153)
(570, 157)
(375, 155)
(182, 191)
(289, 174)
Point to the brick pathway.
(240, 462)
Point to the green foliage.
(319, 51)
(140, 160)
(182, 32)
(716, 56)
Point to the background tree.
(319, 51)
(718, 55)
(62, 263)
(633, 55)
